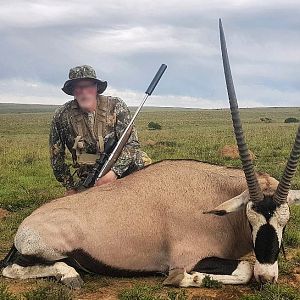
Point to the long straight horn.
(283, 187)
(253, 186)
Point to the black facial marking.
(266, 207)
(266, 244)
(216, 265)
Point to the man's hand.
(70, 192)
(109, 177)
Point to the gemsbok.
(184, 218)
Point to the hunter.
(84, 124)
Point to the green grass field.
(26, 181)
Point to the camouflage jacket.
(62, 135)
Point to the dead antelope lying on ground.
(152, 221)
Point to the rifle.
(113, 148)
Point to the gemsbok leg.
(36, 259)
(226, 271)
(59, 270)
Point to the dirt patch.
(231, 151)
(297, 278)
(297, 270)
(161, 143)
(150, 143)
(3, 213)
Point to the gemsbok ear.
(231, 205)
(294, 197)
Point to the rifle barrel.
(126, 134)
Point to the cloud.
(126, 41)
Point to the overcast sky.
(127, 40)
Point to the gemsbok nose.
(266, 279)
(266, 273)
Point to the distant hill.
(17, 108)
(6, 108)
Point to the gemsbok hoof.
(73, 283)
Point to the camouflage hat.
(82, 72)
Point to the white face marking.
(263, 271)
(279, 220)
(256, 220)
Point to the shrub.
(291, 120)
(154, 126)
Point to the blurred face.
(85, 92)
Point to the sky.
(127, 40)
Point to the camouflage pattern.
(83, 72)
(62, 136)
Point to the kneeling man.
(84, 124)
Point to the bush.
(154, 126)
(291, 120)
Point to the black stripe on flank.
(216, 265)
(88, 262)
(10, 256)
(266, 244)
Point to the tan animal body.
(145, 229)
(144, 225)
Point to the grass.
(292, 234)
(44, 290)
(155, 292)
(274, 292)
(140, 292)
(5, 294)
(210, 283)
(49, 291)
(26, 179)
